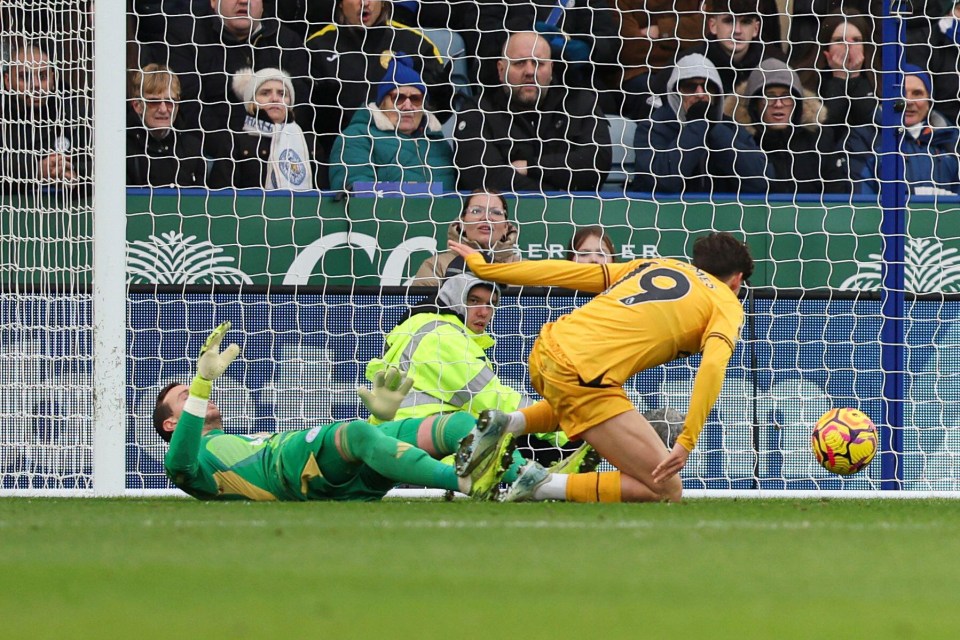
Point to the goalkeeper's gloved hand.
(390, 387)
(212, 363)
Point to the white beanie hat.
(247, 81)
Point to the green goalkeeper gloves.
(212, 363)
(390, 387)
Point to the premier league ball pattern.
(844, 441)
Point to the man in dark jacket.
(158, 155)
(44, 134)
(206, 51)
(689, 146)
(786, 125)
(529, 134)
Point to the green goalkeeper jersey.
(283, 466)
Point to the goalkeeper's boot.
(583, 460)
(532, 475)
(485, 453)
(476, 446)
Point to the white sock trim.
(555, 488)
(517, 423)
(196, 406)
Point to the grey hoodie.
(695, 65)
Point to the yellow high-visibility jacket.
(449, 366)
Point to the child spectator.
(272, 151)
(591, 245)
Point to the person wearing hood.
(442, 345)
(349, 56)
(689, 146)
(158, 154)
(929, 143)
(484, 225)
(786, 122)
(272, 151)
(395, 139)
(206, 51)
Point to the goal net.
(298, 168)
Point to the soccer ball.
(844, 441)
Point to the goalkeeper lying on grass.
(338, 461)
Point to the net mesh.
(287, 159)
(45, 240)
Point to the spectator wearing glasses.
(395, 139)
(348, 58)
(785, 123)
(207, 50)
(483, 225)
(158, 154)
(688, 145)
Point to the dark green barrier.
(195, 237)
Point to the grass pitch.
(170, 568)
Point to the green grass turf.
(170, 568)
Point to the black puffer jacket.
(565, 141)
(174, 160)
(205, 58)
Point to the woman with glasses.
(394, 140)
(484, 225)
(786, 122)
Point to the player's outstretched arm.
(390, 387)
(181, 460)
(212, 363)
(706, 390)
(592, 278)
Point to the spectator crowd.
(718, 96)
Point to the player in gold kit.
(647, 312)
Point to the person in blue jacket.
(394, 139)
(929, 143)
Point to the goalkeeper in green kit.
(350, 460)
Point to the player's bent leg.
(361, 442)
(446, 432)
(443, 433)
(630, 444)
